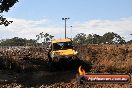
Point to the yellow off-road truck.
(61, 49)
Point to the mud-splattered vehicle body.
(61, 49)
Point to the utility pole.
(65, 24)
(71, 32)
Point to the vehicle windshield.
(62, 45)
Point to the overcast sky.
(86, 16)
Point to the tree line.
(81, 38)
(107, 38)
(16, 41)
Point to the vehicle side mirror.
(48, 48)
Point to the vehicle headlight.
(75, 52)
(52, 54)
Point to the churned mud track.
(64, 71)
(93, 58)
(32, 79)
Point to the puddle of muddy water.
(64, 72)
(36, 78)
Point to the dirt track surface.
(108, 58)
(94, 58)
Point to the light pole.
(65, 24)
(71, 32)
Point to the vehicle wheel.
(80, 79)
(50, 62)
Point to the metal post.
(65, 28)
(65, 24)
(71, 32)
